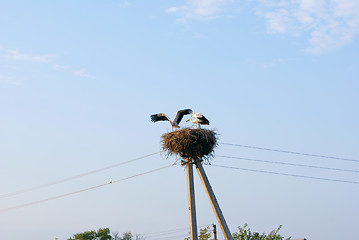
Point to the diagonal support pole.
(191, 201)
(212, 198)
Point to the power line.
(286, 174)
(82, 190)
(290, 164)
(73, 177)
(290, 152)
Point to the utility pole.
(212, 198)
(191, 200)
(214, 232)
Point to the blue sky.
(79, 80)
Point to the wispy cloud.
(11, 56)
(59, 67)
(9, 80)
(328, 23)
(126, 4)
(276, 62)
(200, 9)
(83, 73)
(14, 54)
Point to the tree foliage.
(246, 234)
(127, 236)
(101, 234)
(204, 234)
(104, 234)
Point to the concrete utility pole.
(191, 201)
(212, 198)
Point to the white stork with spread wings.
(176, 120)
(199, 119)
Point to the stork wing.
(159, 117)
(180, 115)
(203, 120)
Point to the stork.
(176, 120)
(199, 119)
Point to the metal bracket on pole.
(212, 198)
(191, 201)
(214, 232)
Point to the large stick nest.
(194, 143)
